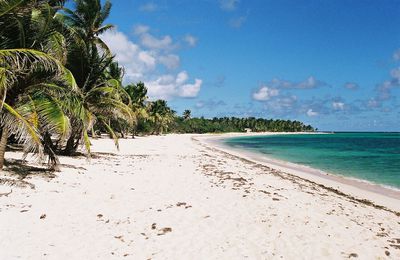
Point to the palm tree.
(87, 21)
(138, 94)
(187, 114)
(103, 99)
(27, 66)
(160, 115)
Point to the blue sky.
(332, 64)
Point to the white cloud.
(309, 83)
(395, 73)
(200, 104)
(373, 103)
(396, 55)
(140, 29)
(143, 64)
(148, 7)
(182, 77)
(311, 113)
(351, 85)
(237, 22)
(209, 104)
(135, 60)
(282, 105)
(190, 40)
(150, 41)
(384, 89)
(338, 105)
(171, 61)
(169, 86)
(265, 93)
(190, 90)
(228, 5)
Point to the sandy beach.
(184, 197)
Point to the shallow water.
(374, 157)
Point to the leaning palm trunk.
(3, 144)
(72, 144)
(21, 75)
(49, 149)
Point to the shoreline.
(175, 197)
(378, 194)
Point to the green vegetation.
(60, 83)
(233, 124)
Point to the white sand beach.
(179, 197)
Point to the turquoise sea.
(374, 157)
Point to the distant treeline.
(235, 124)
(186, 124)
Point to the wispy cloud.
(228, 5)
(238, 21)
(219, 81)
(210, 104)
(311, 113)
(152, 42)
(170, 61)
(190, 40)
(148, 7)
(384, 90)
(396, 55)
(351, 85)
(338, 105)
(309, 83)
(141, 29)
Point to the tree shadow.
(98, 155)
(20, 170)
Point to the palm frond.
(6, 6)
(86, 141)
(105, 12)
(56, 45)
(53, 118)
(104, 28)
(28, 59)
(99, 42)
(5, 80)
(111, 132)
(22, 129)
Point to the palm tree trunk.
(3, 145)
(70, 146)
(93, 133)
(49, 149)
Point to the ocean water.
(374, 157)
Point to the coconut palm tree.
(160, 115)
(138, 94)
(187, 114)
(102, 99)
(27, 33)
(87, 21)
(98, 77)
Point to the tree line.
(61, 84)
(234, 124)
